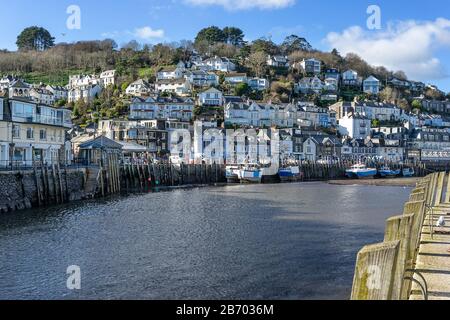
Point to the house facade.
(311, 66)
(154, 108)
(355, 126)
(32, 132)
(139, 88)
(371, 85)
(210, 97)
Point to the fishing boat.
(250, 174)
(387, 172)
(408, 172)
(289, 173)
(360, 171)
(232, 174)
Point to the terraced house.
(158, 107)
(32, 132)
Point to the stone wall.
(27, 189)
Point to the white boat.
(232, 174)
(360, 171)
(250, 174)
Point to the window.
(30, 134)
(43, 134)
(16, 131)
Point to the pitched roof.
(100, 142)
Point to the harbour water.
(288, 241)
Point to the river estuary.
(288, 241)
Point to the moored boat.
(232, 174)
(386, 172)
(360, 171)
(290, 173)
(250, 174)
(408, 172)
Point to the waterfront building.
(150, 134)
(96, 150)
(32, 132)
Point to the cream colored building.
(32, 132)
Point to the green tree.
(294, 43)
(211, 35)
(266, 46)
(234, 36)
(35, 38)
(416, 104)
(241, 89)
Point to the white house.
(258, 84)
(210, 97)
(59, 92)
(331, 84)
(154, 108)
(221, 64)
(355, 126)
(311, 66)
(86, 93)
(169, 73)
(350, 78)
(43, 96)
(236, 78)
(83, 80)
(309, 85)
(139, 88)
(108, 78)
(181, 87)
(371, 85)
(201, 78)
(278, 61)
(19, 89)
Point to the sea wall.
(46, 186)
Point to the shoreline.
(392, 182)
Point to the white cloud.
(243, 4)
(147, 33)
(410, 46)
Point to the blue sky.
(415, 36)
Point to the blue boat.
(360, 171)
(386, 172)
(408, 172)
(291, 173)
